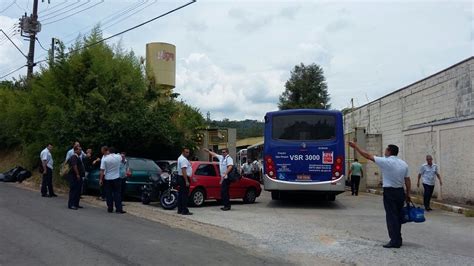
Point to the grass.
(13, 157)
(469, 213)
(9, 159)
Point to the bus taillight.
(270, 166)
(337, 168)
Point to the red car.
(205, 185)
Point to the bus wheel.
(276, 195)
(331, 197)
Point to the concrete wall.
(431, 116)
(372, 173)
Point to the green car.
(138, 172)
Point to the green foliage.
(469, 213)
(306, 89)
(99, 96)
(245, 129)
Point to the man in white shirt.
(247, 169)
(185, 171)
(428, 171)
(110, 178)
(257, 170)
(395, 175)
(47, 178)
(225, 166)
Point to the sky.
(234, 57)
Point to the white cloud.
(238, 95)
(237, 55)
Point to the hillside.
(245, 129)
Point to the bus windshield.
(307, 127)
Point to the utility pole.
(54, 41)
(30, 26)
(31, 54)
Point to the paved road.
(42, 231)
(350, 230)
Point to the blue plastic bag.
(417, 214)
(411, 213)
(406, 214)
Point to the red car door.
(237, 190)
(205, 175)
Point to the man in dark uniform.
(91, 163)
(395, 175)
(76, 174)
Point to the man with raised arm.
(225, 166)
(395, 175)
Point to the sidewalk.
(418, 199)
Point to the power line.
(129, 29)
(11, 72)
(49, 8)
(61, 9)
(137, 26)
(12, 31)
(108, 19)
(41, 45)
(13, 43)
(152, 3)
(77, 12)
(21, 8)
(5, 40)
(6, 8)
(67, 11)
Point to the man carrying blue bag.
(395, 175)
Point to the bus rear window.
(304, 127)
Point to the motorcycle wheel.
(169, 200)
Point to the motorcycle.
(164, 188)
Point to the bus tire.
(331, 197)
(276, 195)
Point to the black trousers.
(123, 187)
(102, 191)
(427, 195)
(393, 201)
(225, 192)
(182, 195)
(113, 194)
(47, 183)
(75, 187)
(355, 181)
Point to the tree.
(99, 95)
(305, 89)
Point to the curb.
(439, 205)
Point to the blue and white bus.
(304, 152)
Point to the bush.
(99, 96)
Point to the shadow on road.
(305, 201)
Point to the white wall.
(431, 116)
